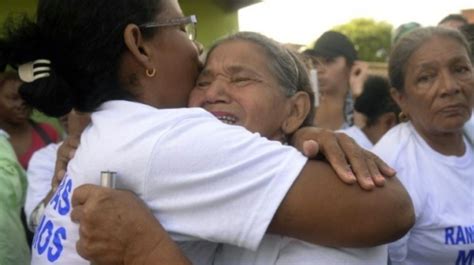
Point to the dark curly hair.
(375, 99)
(83, 39)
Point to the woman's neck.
(372, 133)
(330, 113)
(448, 144)
(14, 128)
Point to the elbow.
(393, 215)
(403, 217)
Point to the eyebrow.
(430, 64)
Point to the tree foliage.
(371, 38)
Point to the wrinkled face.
(439, 87)
(177, 59)
(12, 107)
(237, 86)
(333, 73)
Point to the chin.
(452, 126)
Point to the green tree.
(371, 38)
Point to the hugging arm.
(351, 162)
(116, 227)
(319, 208)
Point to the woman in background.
(432, 78)
(26, 135)
(379, 110)
(13, 245)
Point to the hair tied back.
(32, 71)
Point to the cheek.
(470, 93)
(9, 104)
(196, 99)
(265, 114)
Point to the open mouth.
(227, 119)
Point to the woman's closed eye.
(202, 83)
(242, 80)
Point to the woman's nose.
(217, 92)
(449, 84)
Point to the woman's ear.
(137, 46)
(300, 105)
(396, 96)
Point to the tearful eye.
(241, 81)
(203, 83)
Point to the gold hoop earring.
(402, 117)
(150, 73)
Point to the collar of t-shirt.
(456, 161)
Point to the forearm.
(116, 227)
(166, 252)
(321, 209)
(154, 247)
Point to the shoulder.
(47, 153)
(206, 138)
(4, 134)
(393, 143)
(359, 136)
(6, 149)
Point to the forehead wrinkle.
(430, 64)
(239, 68)
(456, 51)
(233, 68)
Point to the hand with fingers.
(351, 162)
(116, 227)
(76, 123)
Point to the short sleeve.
(220, 183)
(398, 250)
(40, 173)
(12, 177)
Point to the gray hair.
(410, 43)
(284, 65)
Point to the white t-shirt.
(40, 173)
(442, 190)
(359, 136)
(279, 250)
(203, 179)
(469, 128)
(4, 133)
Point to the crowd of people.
(257, 155)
